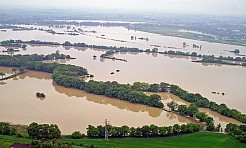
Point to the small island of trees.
(40, 95)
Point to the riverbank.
(199, 139)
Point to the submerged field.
(200, 139)
(167, 31)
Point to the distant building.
(20, 146)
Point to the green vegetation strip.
(200, 139)
(114, 49)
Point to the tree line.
(109, 89)
(223, 60)
(200, 101)
(144, 131)
(68, 76)
(206, 58)
(196, 98)
(6, 129)
(192, 111)
(237, 132)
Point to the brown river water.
(73, 109)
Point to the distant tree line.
(144, 131)
(237, 132)
(222, 60)
(114, 49)
(29, 60)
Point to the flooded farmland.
(73, 109)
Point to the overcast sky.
(219, 7)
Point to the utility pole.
(106, 129)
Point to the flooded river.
(73, 109)
(120, 36)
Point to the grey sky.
(219, 7)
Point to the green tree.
(124, 130)
(209, 120)
(155, 100)
(184, 128)
(32, 130)
(145, 130)
(164, 86)
(2, 74)
(176, 129)
(210, 127)
(22, 69)
(92, 131)
(36, 131)
(182, 109)
(243, 137)
(192, 110)
(201, 116)
(218, 127)
(162, 131)
(154, 130)
(4, 128)
(154, 88)
(172, 105)
(76, 135)
(14, 70)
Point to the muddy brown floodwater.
(71, 109)
(223, 120)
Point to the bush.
(13, 131)
(19, 135)
(40, 95)
(39, 131)
(210, 127)
(76, 135)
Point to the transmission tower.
(106, 129)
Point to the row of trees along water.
(45, 131)
(200, 101)
(114, 49)
(67, 75)
(144, 131)
(192, 111)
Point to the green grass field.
(200, 139)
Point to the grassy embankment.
(172, 32)
(199, 139)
